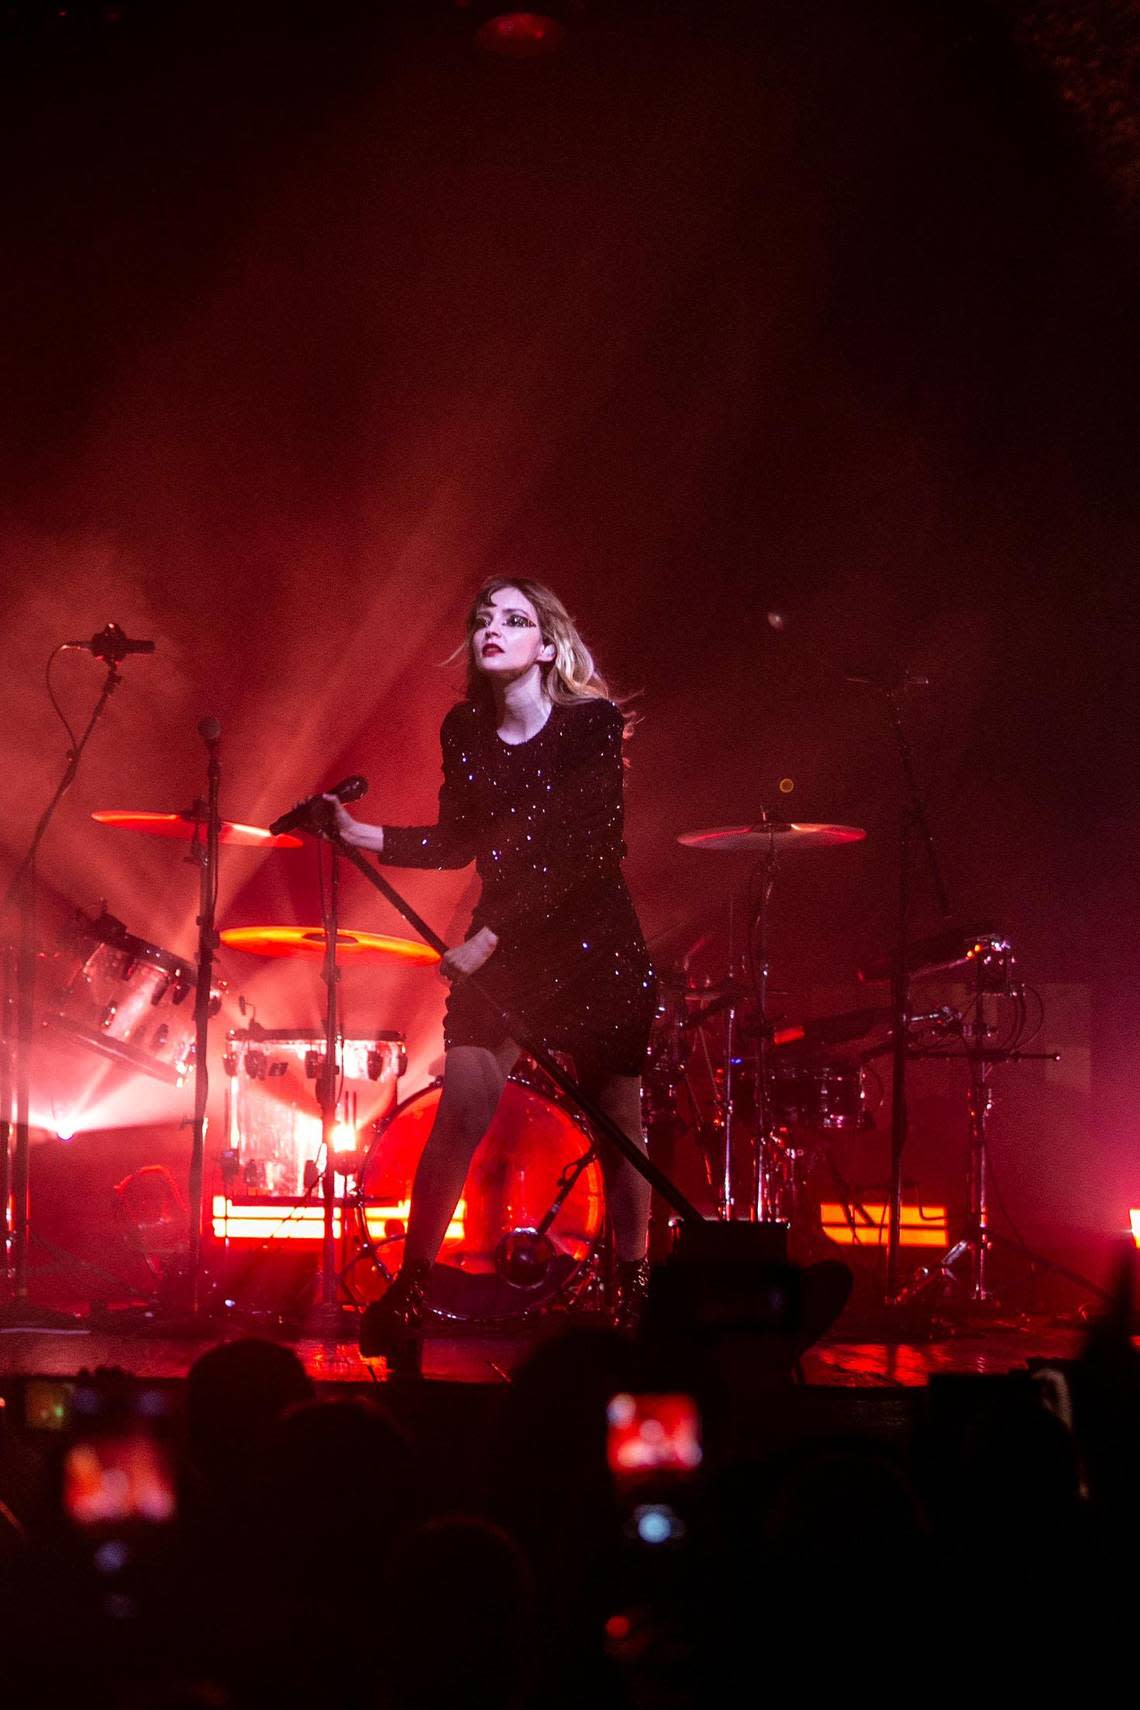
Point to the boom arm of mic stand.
(594, 1115)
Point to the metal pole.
(327, 1097)
(207, 943)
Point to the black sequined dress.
(542, 821)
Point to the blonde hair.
(570, 676)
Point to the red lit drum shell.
(130, 1000)
(273, 1119)
(826, 1097)
(512, 1181)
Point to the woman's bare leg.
(473, 1080)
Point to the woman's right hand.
(356, 831)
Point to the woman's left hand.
(469, 957)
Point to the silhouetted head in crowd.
(234, 1392)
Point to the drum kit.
(307, 1143)
(754, 1100)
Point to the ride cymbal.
(310, 941)
(780, 834)
(191, 824)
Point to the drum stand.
(182, 1311)
(17, 1312)
(974, 1248)
(762, 1204)
(330, 1317)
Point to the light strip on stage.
(277, 1220)
(920, 1225)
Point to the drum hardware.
(914, 827)
(329, 944)
(126, 1000)
(770, 1162)
(271, 1129)
(524, 1256)
(327, 1066)
(943, 953)
(202, 826)
(18, 1016)
(528, 1225)
(993, 964)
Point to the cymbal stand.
(914, 826)
(727, 1205)
(978, 1241)
(17, 1312)
(182, 1310)
(765, 1206)
(327, 1318)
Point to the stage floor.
(485, 1359)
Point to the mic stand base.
(339, 1322)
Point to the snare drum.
(273, 1116)
(130, 1000)
(826, 1097)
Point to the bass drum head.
(511, 1185)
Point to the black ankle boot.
(631, 1289)
(392, 1327)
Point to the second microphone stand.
(17, 1312)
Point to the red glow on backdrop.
(564, 353)
(521, 35)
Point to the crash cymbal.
(309, 941)
(192, 823)
(781, 834)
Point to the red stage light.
(521, 35)
(1134, 1223)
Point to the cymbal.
(192, 823)
(780, 834)
(309, 941)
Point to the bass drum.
(516, 1175)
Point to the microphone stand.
(596, 1117)
(17, 1312)
(914, 827)
(210, 731)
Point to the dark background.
(314, 315)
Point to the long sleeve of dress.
(451, 842)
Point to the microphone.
(309, 812)
(111, 645)
(210, 730)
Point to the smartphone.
(118, 1480)
(118, 1468)
(47, 1403)
(652, 1438)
